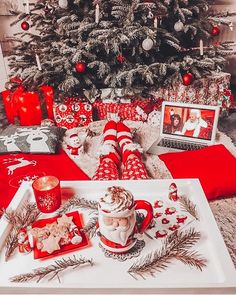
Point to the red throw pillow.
(214, 166)
(15, 168)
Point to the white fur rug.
(224, 209)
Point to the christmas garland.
(53, 270)
(176, 246)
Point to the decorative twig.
(176, 246)
(188, 206)
(91, 227)
(53, 270)
(79, 203)
(25, 217)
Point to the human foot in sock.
(126, 143)
(109, 148)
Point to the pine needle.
(188, 206)
(175, 247)
(53, 270)
(77, 202)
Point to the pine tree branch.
(174, 247)
(77, 202)
(52, 270)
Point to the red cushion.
(17, 167)
(214, 166)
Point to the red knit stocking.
(134, 169)
(107, 170)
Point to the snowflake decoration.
(46, 201)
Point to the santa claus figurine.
(23, 241)
(74, 141)
(173, 192)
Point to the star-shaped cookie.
(65, 220)
(50, 244)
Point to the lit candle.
(97, 14)
(201, 47)
(47, 193)
(27, 7)
(38, 62)
(155, 22)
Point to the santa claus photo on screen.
(193, 125)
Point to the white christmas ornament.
(147, 44)
(178, 26)
(63, 3)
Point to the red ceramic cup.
(47, 193)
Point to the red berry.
(80, 67)
(25, 26)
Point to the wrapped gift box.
(73, 113)
(137, 110)
(210, 91)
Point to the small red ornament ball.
(187, 79)
(80, 67)
(25, 26)
(215, 31)
(120, 58)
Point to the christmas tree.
(74, 45)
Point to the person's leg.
(134, 169)
(109, 154)
(131, 155)
(128, 147)
(107, 170)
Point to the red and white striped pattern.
(109, 148)
(126, 143)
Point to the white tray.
(109, 276)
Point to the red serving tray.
(77, 219)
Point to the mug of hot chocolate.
(117, 221)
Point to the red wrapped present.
(29, 107)
(134, 111)
(73, 113)
(211, 90)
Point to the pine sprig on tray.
(175, 246)
(22, 218)
(53, 270)
(79, 203)
(91, 227)
(188, 206)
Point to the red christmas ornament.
(80, 67)
(215, 31)
(120, 58)
(25, 26)
(187, 79)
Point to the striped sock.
(126, 143)
(109, 148)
